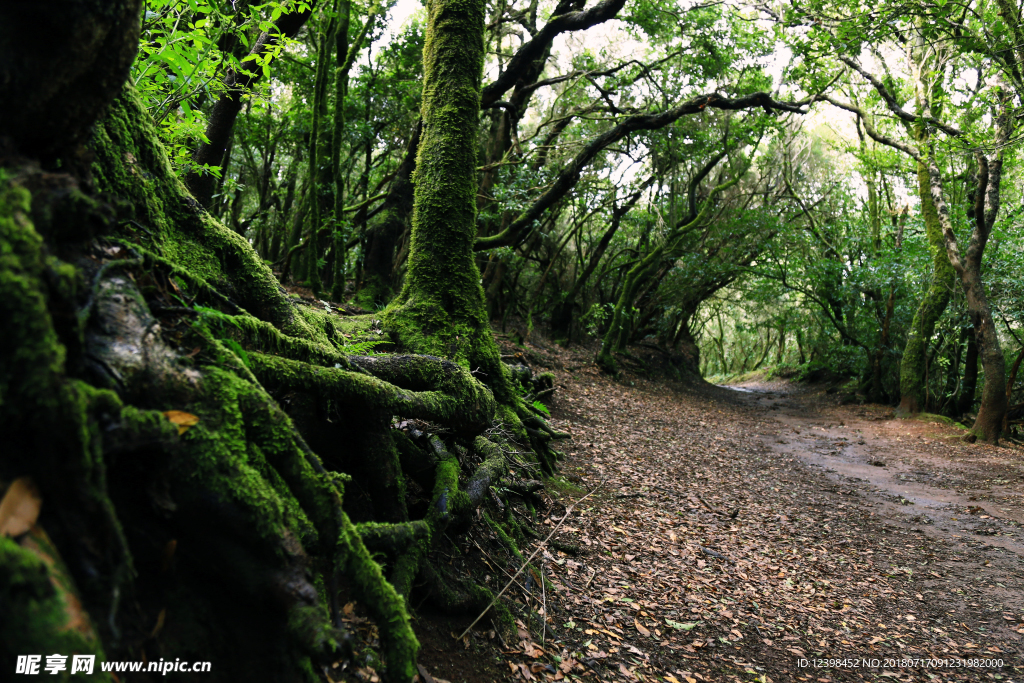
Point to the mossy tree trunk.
(174, 483)
(932, 306)
(441, 309)
(988, 424)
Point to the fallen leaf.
(182, 419)
(159, 623)
(681, 626)
(641, 628)
(19, 508)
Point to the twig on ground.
(529, 559)
(730, 515)
(496, 564)
(715, 553)
(544, 606)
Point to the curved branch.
(570, 175)
(870, 129)
(895, 108)
(536, 47)
(453, 398)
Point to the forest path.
(820, 561)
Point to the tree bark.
(989, 422)
(441, 308)
(933, 304)
(60, 65)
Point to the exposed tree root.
(237, 526)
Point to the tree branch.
(570, 175)
(536, 47)
(895, 108)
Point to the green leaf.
(680, 626)
(239, 351)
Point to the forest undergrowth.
(705, 554)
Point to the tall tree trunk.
(225, 111)
(989, 423)
(933, 304)
(440, 309)
(321, 182)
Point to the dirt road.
(756, 534)
(760, 533)
(921, 478)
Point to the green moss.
(35, 616)
(159, 214)
(563, 486)
(49, 421)
(941, 419)
(31, 357)
(441, 309)
(467, 404)
(545, 379)
(447, 500)
(374, 292)
(912, 366)
(407, 543)
(385, 605)
(222, 462)
(504, 535)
